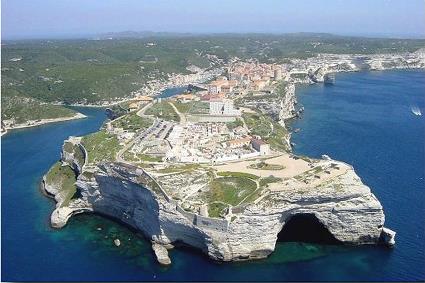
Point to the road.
(139, 136)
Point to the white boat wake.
(415, 110)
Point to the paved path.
(142, 111)
(128, 145)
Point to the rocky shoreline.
(351, 213)
(345, 206)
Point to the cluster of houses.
(262, 147)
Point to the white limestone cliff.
(345, 206)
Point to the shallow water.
(364, 119)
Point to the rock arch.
(306, 227)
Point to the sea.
(365, 119)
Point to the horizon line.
(149, 33)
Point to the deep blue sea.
(364, 119)
(171, 92)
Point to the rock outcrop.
(161, 254)
(287, 106)
(345, 206)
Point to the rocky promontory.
(340, 202)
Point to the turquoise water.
(364, 119)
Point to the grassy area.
(179, 168)
(266, 166)
(258, 124)
(308, 174)
(193, 107)
(88, 174)
(252, 197)
(149, 158)
(264, 182)
(141, 158)
(132, 122)
(101, 146)
(64, 178)
(183, 107)
(231, 125)
(164, 111)
(215, 209)
(269, 130)
(230, 190)
(238, 175)
(23, 109)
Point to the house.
(259, 84)
(185, 97)
(261, 146)
(209, 97)
(215, 86)
(143, 98)
(134, 106)
(239, 142)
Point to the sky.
(79, 18)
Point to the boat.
(415, 110)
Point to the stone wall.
(210, 118)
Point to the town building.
(134, 106)
(239, 142)
(215, 87)
(261, 146)
(143, 98)
(277, 74)
(186, 97)
(223, 107)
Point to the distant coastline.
(35, 123)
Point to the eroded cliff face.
(344, 205)
(287, 106)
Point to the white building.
(223, 107)
(261, 146)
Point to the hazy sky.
(66, 18)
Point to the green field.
(231, 190)
(238, 174)
(193, 107)
(179, 168)
(234, 124)
(23, 109)
(264, 182)
(215, 209)
(269, 130)
(100, 146)
(132, 122)
(164, 111)
(64, 178)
